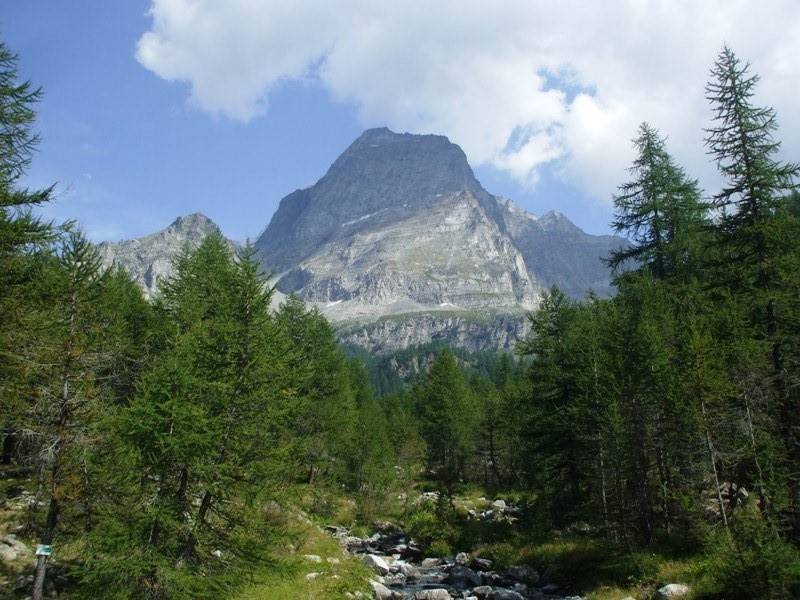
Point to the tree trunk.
(603, 492)
(762, 494)
(191, 542)
(712, 458)
(46, 539)
(38, 582)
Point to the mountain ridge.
(399, 227)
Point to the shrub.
(754, 562)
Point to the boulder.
(382, 592)
(7, 553)
(482, 564)
(394, 579)
(436, 594)
(311, 576)
(376, 563)
(499, 505)
(492, 578)
(523, 574)
(430, 562)
(462, 558)
(12, 549)
(482, 592)
(313, 558)
(505, 595)
(463, 577)
(18, 546)
(409, 570)
(336, 530)
(412, 552)
(672, 590)
(386, 527)
(352, 543)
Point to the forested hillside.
(192, 445)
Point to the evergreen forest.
(197, 445)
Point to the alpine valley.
(398, 245)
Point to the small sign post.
(43, 552)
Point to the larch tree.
(756, 234)
(659, 210)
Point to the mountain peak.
(148, 259)
(421, 165)
(382, 177)
(553, 220)
(193, 222)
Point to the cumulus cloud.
(519, 84)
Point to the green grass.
(288, 581)
(597, 569)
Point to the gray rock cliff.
(398, 244)
(149, 259)
(399, 226)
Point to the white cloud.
(517, 84)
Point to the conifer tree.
(448, 420)
(69, 397)
(20, 232)
(372, 457)
(551, 452)
(755, 234)
(659, 210)
(326, 409)
(202, 439)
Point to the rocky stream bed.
(401, 572)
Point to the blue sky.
(129, 154)
(229, 106)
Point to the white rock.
(381, 591)
(409, 570)
(312, 558)
(311, 576)
(482, 591)
(462, 558)
(376, 563)
(7, 553)
(18, 546)
(394, 579)
(437, 594)
(672, 590)
(499, 505)
(332, 560)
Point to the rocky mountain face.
(558, 252)
(149, 259)
(398, 244)
(471, 330)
